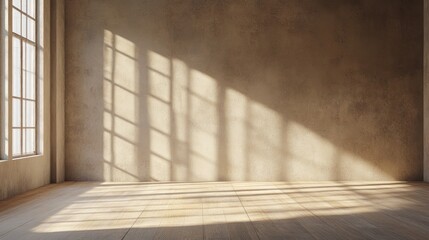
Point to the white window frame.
(7, 108)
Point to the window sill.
(27, 157)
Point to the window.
(23, 77)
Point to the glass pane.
(30, 76)
(16, 142)
(30, 86)
(29, 141)
(16, 75)
(31, 29)
(29, 113)
(24, 5)
(16, 112)
(17, 3)
(24, 26)
(16, 21)
(30, 60)
(31, 8)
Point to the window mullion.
(21, 101)
(9, 87)
(36, 70)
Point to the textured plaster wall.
(244, 90)
(20, 175)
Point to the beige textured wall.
(20, 175)
(244, 90)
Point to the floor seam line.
(245, 210)
(318, 217)
(132, 225)
(129, 229)
(202, 217)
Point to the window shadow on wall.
(121, 104)
(233, 91)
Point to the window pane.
(17, 3)
(29, 71)
(31, 8)
(16, 142)
(16, 75)
(31, 29)
(29, 113)
(16, 21)
(16, 112)
(29, 86)
(29, 141)
(24, 25)
(30, 59)
(24, 5)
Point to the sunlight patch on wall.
(308, 153)
(159, 110)
(254, 137)
(158, 63)
(312, 157)
(236, 107)
(159, 76)
(159, 115)
(261, 144)
(160, 145)
(265, 143)
(203, 126)
(180, 110)
(120, 118)
(125, 104)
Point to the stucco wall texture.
(244, 90)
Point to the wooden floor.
(219, 210)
